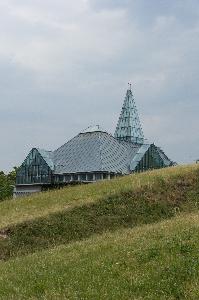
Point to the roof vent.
(93, 129)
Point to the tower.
(128, 126)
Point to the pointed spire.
(128, 126)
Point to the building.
(92, 155)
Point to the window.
(105, 175)
(98, 176)
(67, 177)
(61, 178)
(83, 177)
(75, 177)
(90, 177)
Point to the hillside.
(136, 237)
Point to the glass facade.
(90, 176)
(150, 160)
(83, 177)
(74, 177)
(67, 178)
(34, 170)
(98, 176)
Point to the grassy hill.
(136, 237)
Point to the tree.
(6, 184)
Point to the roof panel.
(47, 156)
(92, 152)
(138, 156)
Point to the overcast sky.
(65, 65)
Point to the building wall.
(25, 190)
(83, 177)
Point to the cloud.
(65, 65)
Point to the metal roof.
(92, 152)
(97, 151)
(47, 156)
(139, 155)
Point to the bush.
(6, 184)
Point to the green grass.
(158, 261)
(39, 205)
(135, 237)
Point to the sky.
(65, 65)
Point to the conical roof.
(128, 126)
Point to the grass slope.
(158, 261)
(39, 205)
(107, 240)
